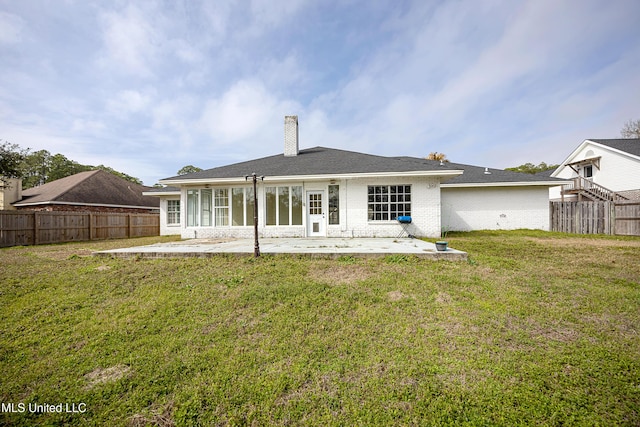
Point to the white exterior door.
(315, 214)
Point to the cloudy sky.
(147, 87)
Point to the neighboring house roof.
(321, 161)
(95, 188)
(628, 145)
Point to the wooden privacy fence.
(35, 228)
(620, 218)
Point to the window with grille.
(173, 212)
(388, 202)
(222, 206)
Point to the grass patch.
(535, 329)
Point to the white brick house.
(324, 192)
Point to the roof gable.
(628, 147)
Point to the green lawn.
(535, 329)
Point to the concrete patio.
(312, 247)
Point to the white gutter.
(450, 173)
(161, 193)
(83, 204)
(506, 184)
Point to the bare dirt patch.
(160, 417)
(443, 298)
(106, 375)
(340, 274)
(66, 253)
(396, 296)
(584, 242)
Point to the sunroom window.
(283, 205)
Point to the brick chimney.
(290, 136)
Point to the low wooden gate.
(627, 218)
(620, 218)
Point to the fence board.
(29, 228)
(621, 218)
(628, 218)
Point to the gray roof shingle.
(628, 145)
(95, 187)
(313, 161)
(477, 175)
(330, 161)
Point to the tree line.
(39, 167)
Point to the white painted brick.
(495, 208)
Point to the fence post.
(90, 226)
(129, 225)
(612, 218)
(36, 228)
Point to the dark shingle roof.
(329, 161)
(92, 187)
(628, 145)
(313, 161)
(477, 175)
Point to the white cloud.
(131, 41)
(242, 112)
(129, 102)
(87, 126)
(11, 28)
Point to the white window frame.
(173, 212)
(388, 202)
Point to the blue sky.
(147, 87)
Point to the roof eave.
(160, 193)
(449, 173)
(54, 202)
(506, 184)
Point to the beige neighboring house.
(10, 192)
(600, 170)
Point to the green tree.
(11, 158)
(532, 169)
(35, 168)
(39, 167)
(189, 169)
(631, 129)
(61, 167)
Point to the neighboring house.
(10, 191)
(335, 193)
(92, 191)
(600, 169)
